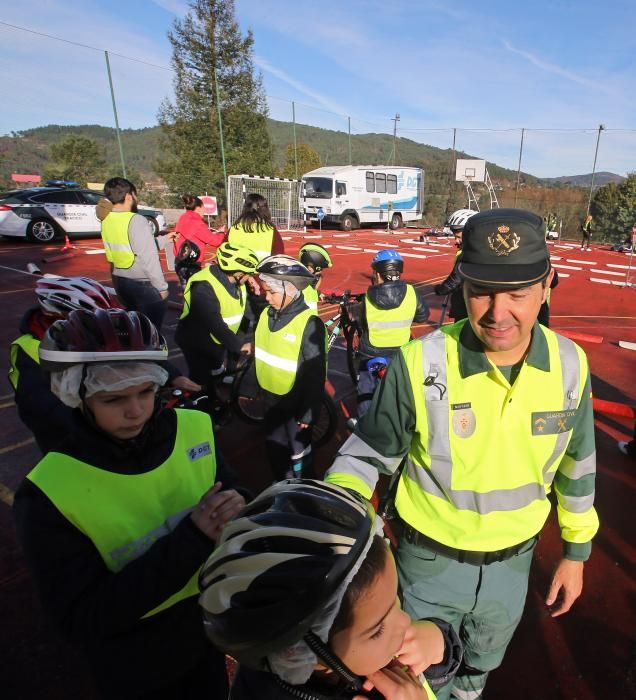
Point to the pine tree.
(209, 37)
(75, 158)
(304, 156)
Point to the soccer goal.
(284, 198)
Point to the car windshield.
(319, 187)
(13, 197)
(92, 197)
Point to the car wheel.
(348, 222)
(41, 231)
(396, 221)
(155, 226)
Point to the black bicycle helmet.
(189, 252)
(277, 565)
(110, 335)
(284, 267)
(315, 255)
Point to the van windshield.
(319, 187)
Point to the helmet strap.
(322, 651)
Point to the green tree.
(614, 209)
(306, 157)
(75, 158)
(208, 38)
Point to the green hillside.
(27, 151)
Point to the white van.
(352, 195)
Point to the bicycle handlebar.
(345, 296)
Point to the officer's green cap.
(504, 248)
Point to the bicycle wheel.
(325, 426)
(247, 398)
(352, 335)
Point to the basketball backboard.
(470, 170)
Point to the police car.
(44, 213)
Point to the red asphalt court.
(587, 654)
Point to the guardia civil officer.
(489, 415)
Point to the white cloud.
(177, 7)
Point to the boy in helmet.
(116, 522)
(389, 308)
(302, 591)
(214, 303)
(290, 362)
(316, 259)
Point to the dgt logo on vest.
(198, 451)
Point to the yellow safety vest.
(232, 309)
(116, 239)
(277, 353)
(27, 343)
(258, 241)
(447, 490)
(124, 514)
(310, 295)
(391, 328)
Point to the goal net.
(283, 196)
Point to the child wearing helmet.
(453, 283)
(116, 522)
(302, 592)
(214, 303)
(316, 259)
(290, 364)
(40, 410)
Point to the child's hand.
(423, 646)
(216, 508)
(395, 683)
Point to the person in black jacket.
(39, 409)
(302, 592)
(116, 522)
(214, 303)
(290, 364)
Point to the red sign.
(209, 205)
(16, 177)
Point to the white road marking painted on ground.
(414, 255)
(608, 272)
(567, 267)
(17, 446)
(428, 250)
(612, 282)
(581, 262)
(555, 257)
(308, 235)
(341, 235)
(95, 251)
(344, 247)
(286, 238)
(620, 267)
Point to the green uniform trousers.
(483, 603)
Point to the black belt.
(461, 555)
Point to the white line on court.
(581, 262)
(608, 272)
(567, 267)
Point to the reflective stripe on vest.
(28, 344)
(258, 241)
(124, 514)
(231, 308)
(448, 492)
(116, 240)
(276, 353)
(310, 295)
(390, 328)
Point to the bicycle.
(248, 402)
(345, 322)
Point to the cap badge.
(503, 242)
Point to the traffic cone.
(67, 244)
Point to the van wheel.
(348, 222)
(154, 225)
(396, 221)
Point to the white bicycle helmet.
(61, 295)
(457, 220)
(284, 267)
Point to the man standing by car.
(489, 414)
(132, 253)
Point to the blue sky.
(558, 68)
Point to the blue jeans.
(140, 295)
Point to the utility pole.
(349, 120)
(598, 138)
(295, 144)
(523, 131)
(395, 120)
(112, 97)
(218, 110)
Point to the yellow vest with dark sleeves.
(448, 490)
(391, 328)
(232, 309)
(30, 346)
(276, 353)
(124, 514)
(116, 240)
(258, 241)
